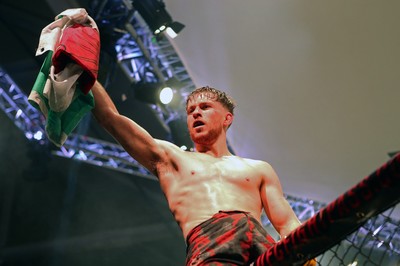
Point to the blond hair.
(219, 96)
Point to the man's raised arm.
(134, 139)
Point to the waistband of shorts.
(219, 214)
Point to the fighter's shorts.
(228, 238)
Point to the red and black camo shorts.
(228, 238)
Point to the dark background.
(58, 211)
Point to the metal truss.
(102, 153)
(162, 52)
(16, 106)
(143, 57)
(90, 150)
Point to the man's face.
(205, 118)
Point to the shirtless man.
(216, 197)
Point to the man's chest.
(228, 169)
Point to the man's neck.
(214, 150)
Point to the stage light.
(38, 135)
(28, 135)
(157, 18)
(153, 93)
(174, 28)
(18, 114)
(166, 95)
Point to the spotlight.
(157, 18)
(153, 93)
(174, 28)
(166, 95)
(38, 135)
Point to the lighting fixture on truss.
(157, 17)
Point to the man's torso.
(199, 185)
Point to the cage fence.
(376, 242)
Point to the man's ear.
(228, 119)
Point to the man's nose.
(196, 113)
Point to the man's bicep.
(277, 208)
(275, 204)
(137, 142)
(134, 139)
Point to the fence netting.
(360, 227)
(377, 242)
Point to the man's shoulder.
(256, 162)
(264, 167)
(170, 147)
(167, 144)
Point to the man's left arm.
(277, 208)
